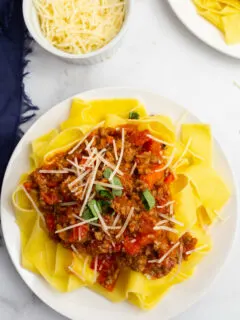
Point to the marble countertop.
(161, 55)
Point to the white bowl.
(32, 23)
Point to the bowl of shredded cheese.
(81, 31)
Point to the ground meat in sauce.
(60, 202)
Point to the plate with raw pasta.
(216, 22)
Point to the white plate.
(83, 303)
(204, 30)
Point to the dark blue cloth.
(13, 101)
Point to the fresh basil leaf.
(117, 182)
(148, 200)
(94, 207)
(103, 192)
(87, 214)
(133, 115)
(107, 173)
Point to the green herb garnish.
(94, 207)
(107, 173)
(115, 181)
(148, 200)
(87, 214)
(104, 205)
(133, 115)
(103, 192)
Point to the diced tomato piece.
(153, 146)
(79, 233)
(169, 179)
(50, 197)
(28, 185)
(109, 139)
(153, 177)
(52, 184)
(50, 222)
(107, 267)
(139, 138)
(130, 247)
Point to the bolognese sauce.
(109, 197)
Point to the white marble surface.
(158, 54)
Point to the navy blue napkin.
(15, 106)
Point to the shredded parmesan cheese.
(126, 223)
(197, 249)
(33, 203)
(165, 228)
(115, 150)
(85, 266)
(76, 225)
(112, 186)
(90, 185)
(160, 141)
(116, 220)
(78, 179)
(85, 137)
(80, 26)
(110, 165)
(165, 255)
(171, 219)
(133, 168)
(166, 204)
(70, 268)
(184, 153)
(120, 156)
(53, 171)
(168, 163)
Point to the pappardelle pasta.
(117, 202)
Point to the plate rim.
(140, 91)
(199, 36)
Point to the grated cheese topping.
(126, 223)
(160, 141)
(120, 157)
(165, 228)
(80, 26)
(166, 254)
(33, 203)
(171, 219)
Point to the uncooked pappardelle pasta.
(118, 201)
